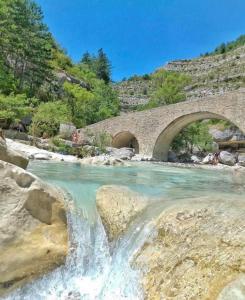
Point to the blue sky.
(141, 35)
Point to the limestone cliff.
(211, 75)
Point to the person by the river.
(215, 159)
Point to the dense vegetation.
(169, 88)
(227, 47)
(35, 75)
(197, 138)
(196, 135)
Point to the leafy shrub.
(90, 107)
(196, 134)
(47, 119)
(14, 108)
(169, 88)
(102, 140)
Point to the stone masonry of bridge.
(152, 131)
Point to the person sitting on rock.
(215, 160)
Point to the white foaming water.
(90, 271)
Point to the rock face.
(118, 206)
(33, 229)
(241, 160)
(208, 159)
(102, 160)
(215, 74)
(122, 153)
(227, 158)
(11, 156)
(196, 251)
(221, 136)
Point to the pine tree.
(103, 67)
(25, 44)
(86, 59)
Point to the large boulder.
(12, 156)
(118, 206)
(102, 160)
(196, 251)
(208, 159)
(122, 153)
(241, 159)
(33, 228)
(221, 136)
(227, 158)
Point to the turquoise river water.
(93, 270)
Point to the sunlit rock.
(102, 160)
(118, 206)
(12, 156)
(208, 159)
(241, 159)
(234, 290)
(122, 153)
(195, 252)
(227, 158)
(33, 230)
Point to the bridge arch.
(125, 139)
(165, 138)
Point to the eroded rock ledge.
(33, 228)
(196, 250)
(12, 156)
(118, 206)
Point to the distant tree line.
(227, 47)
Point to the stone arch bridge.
(151, 132)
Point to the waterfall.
(90, 271)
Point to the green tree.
(25, 44)
(169, 88)
(196, 134)
(47, 118)
(14, 107)
(100, 65)
(91, 107)
(81, 104)
(103, 67)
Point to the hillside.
(211, 74)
